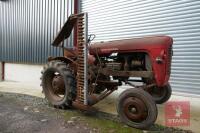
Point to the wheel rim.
(135, 109)
(55, 86)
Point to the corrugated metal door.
(28, 27)
(118, 19)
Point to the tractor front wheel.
(161, 94)
(58, 84)
(136, 108)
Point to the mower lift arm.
(66, 30)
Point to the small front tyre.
(161, 94)
(136, 108)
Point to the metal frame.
(85, 59)
(2, 71)
(144, 74)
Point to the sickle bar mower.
(86, 74)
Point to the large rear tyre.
(58, 84)
(162, 94)
(136, 108)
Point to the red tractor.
(89, 72)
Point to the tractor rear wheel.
(58, 84)
(136, 108)
(162, 94)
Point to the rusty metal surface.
(93, 99)
(64, 59)
(145, 74)
(80, 60)
(145, 87)
(66, 30)
(135, 109)
(78, 105)
(109, 84)
(69, 52)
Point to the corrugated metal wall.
(27, 28)
(118, 19)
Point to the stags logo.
(177, 113)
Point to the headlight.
(159, 60)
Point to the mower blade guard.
(82, 70)
(66, 30)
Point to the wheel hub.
(58, 84)
(135, 109)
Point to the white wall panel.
(120, 19)
(28, 74)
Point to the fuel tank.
(130, 45)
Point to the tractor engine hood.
(129, 45)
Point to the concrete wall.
(28, 74)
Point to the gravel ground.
(28, 114)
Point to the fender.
(63, 58)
